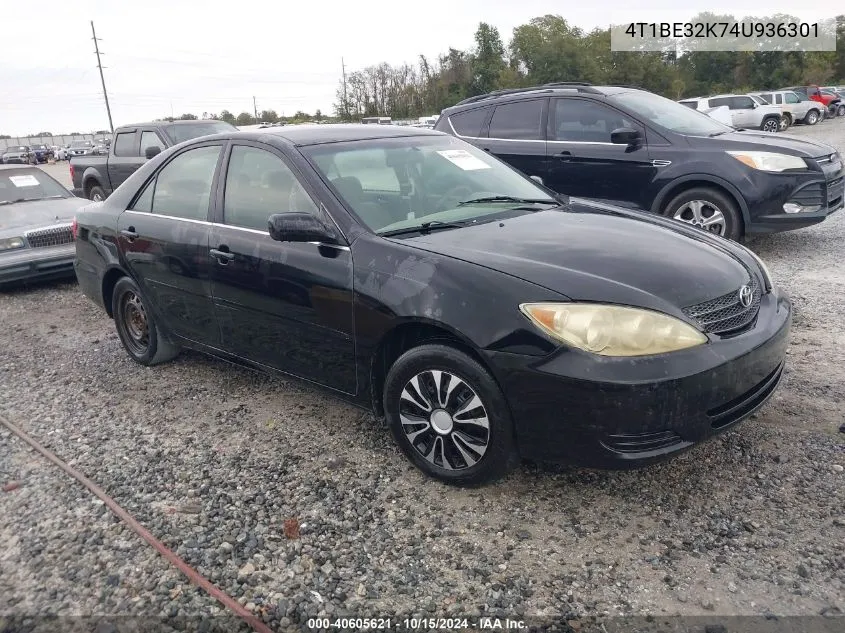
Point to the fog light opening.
(791, 207)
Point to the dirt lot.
(212, 459)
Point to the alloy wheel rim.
(771, 126)
(444, 420)
(135, 322)
(97, 198)
(784, 124)
(702, 214)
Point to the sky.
(166, 58)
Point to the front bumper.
(37, 264)
(618, 413)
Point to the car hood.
(768, 142)
(38, 213)
(595, 252)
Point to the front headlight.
(611, 330)
(9, 243)
(769, 161)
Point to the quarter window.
(469, 123)
(258, 185)
(124, 144)
(578, 120)
(519, 120)
(182, 188)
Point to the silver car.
(36, 217)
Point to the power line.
(255, 108)
(102, 78)
(345, 101)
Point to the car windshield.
(17, 148)
(398, 184)
(28, 184)
(185, 132)
(669, 114)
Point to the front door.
(163, 239)
(583, 161)
(282, 304)
(743, 112)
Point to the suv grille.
(726, 314)
(50, 237)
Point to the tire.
(131, 317)
(770, 124)
(812, 117)
(489, 455)
(840, 109)
(697, 205)
(96, 194)
(785, 122)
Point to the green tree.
(268, 116)
(188, 117)
(245, 118)
(227, 116)
(488, 59)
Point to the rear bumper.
(621, 413)
(37, 264)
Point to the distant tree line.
(549, 49)
(246, 118)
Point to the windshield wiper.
(509, 199)
(16, 200)
(425, 227)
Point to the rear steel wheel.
(135, 321)
(141, 337)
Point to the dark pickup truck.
(95, 177)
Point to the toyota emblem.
(746, 296)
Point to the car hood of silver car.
(18, 217)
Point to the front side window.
(582, 121)
(742, 103)
(150, 139)
(791, 97)
(182, 189)
(124, 144)
(443, 180)
(520, 120)
(258, 185)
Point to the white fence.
(45, 140)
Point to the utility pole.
(345, 102)
(102, 79)
(255, 108)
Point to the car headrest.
(349, 187)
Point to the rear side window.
(742, 103)
(183, 186)
(719, 101)
(124, 144)
(521, 120)
(469, 123)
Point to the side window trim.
(544, 118)
(552, 113)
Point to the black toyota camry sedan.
(481, 315)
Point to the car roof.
(334, 133)
(557, 88)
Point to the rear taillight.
(70, 166)
(73, 227)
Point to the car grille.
(726, 315)
(54, 236)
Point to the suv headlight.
(611, 330)
(9, 243)
(769, 161)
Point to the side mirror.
(152, 151)
(625, 136)
(297, 226)
(536, 179)
(754, 105)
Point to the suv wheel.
(770, 124)
(840, 109)
(97, 194)
(707, 209)
(449, 416)
(812, 117)
(785, 122)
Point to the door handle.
(222, 256)
(564, 155)
(129, 233)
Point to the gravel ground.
(214, 459)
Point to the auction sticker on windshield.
(463, 159)
(24, 181)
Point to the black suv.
(633, 147)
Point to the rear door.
(517, 135)
(163, 238)
(285, 305)
(744, 112)
(582, 159)
(124, 158)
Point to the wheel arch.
(110, 279)
(408, 335)
(691, 181)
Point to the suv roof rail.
(577, 85)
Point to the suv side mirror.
(625, 136)
(151, 151)
(297, 226)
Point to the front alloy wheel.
(448, 415)
(702, 214)
(771, 125)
